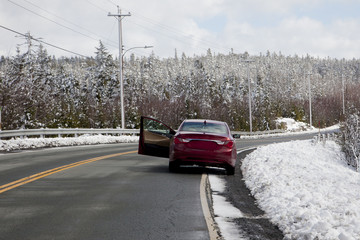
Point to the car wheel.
(173, 167)
(230, 170)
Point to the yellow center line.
(22, 181)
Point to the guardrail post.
(324, 138)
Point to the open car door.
(154, 137)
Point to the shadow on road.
(182, 170)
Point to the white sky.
(320, 28)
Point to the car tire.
(173, 167)
(230, 170)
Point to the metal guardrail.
(105, 131)
(66, 131)
(258, 132)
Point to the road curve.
(113, 194)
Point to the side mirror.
(236, 135)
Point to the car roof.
(203, 120)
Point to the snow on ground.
(306, 189)
(32, 143)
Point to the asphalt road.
(102, 192)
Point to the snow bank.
(32, 143)
(291, 125)
(306, 189)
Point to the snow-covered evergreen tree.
(351, 138)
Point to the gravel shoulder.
(254, 224)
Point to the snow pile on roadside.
(291, 125)
(294, 128)
(306, 189)
(32, 143)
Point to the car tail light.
(178, 140)
(226, 143)
(229, 144)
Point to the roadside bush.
(351, 139)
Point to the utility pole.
(119, 17)
(248, 61)
(310, 98)
(343, 88)
(0, 117)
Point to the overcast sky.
(321, 28)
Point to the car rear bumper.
(221, 158)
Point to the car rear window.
(204, 127)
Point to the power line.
(112, 2)
(168, 31)
(65, 20)
(57, 23)
(49, 19)
(103, 10)
(152, 25)
(171, 30)
(98, 7)
(175, 35)
(41, 41)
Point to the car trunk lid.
(203, 141)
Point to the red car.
(197, 142)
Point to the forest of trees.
(38, 90)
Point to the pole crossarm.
(119, 15)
